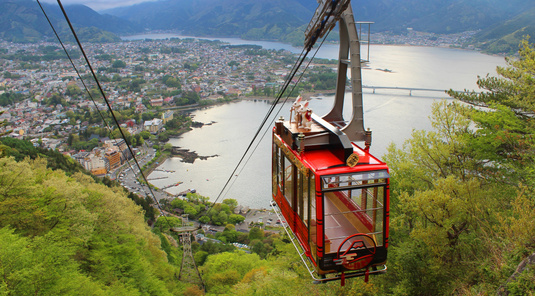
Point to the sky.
(99, 4)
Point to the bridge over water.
(409, 89)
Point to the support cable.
(278, 112)
(296, 67)
(108, 127)
(109, 106)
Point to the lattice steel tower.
(188, 269)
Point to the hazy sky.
(99, 4)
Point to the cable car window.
(280, 170)
(355, 179)
(313, 222)
(289, 170)
(305, 199)
(275, 168)
(370, 202)
(353, 203)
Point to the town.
(146, 83)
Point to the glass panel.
(355, 179)
(300, 195)
(281, 172)
(313, 222)
(306, 199)
(288, 182)
(275, 168)
(352, 211)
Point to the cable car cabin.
(334, 197)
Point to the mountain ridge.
(274, 20)
(23, 21)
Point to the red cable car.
(333, 194)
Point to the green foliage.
(256, 233)
(40, 266)
(135, 84)
(204, 219)
(194, 204)
(146, 204)
(171, 81)
(462, 194)
(118, 64)
(505, 130)
(178, 122)
(164, 223)
(63, 234)
(441, 207)
(73, 90)
(524, 284)
(200, 257)
(226, 269)
(187, 98)
(235, 219)
(232, 203)
(211, 247)
(323, 78)
(96, 35)
(20, 149)
(9, 98)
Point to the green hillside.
(505, 37)
(23, 21)
(65, 234)
(500, 22)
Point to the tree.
(505, 130)
(256, 233)
(171, 82)
(145, 135)
(232, 203)
(204, 219)
(73, 90)
(441, 206)
(164, 223)
(220, 218)
(135, 84)
(235, 219)
(42, 266)
(168, 146)
(118, 64)
(200, 257)
(224, 270)
(503, 141)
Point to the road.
(129, 175)
(127, 178)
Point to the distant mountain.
(437, 16)
(285, 20)
(23, 21)
(259, 19)
(501, 23)
(504, 37)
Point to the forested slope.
(463, 195)
(64, 233)
(68, 235)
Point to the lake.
(391, 114)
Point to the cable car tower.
(188, 269)
(332, 193)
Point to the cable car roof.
(323, 161)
